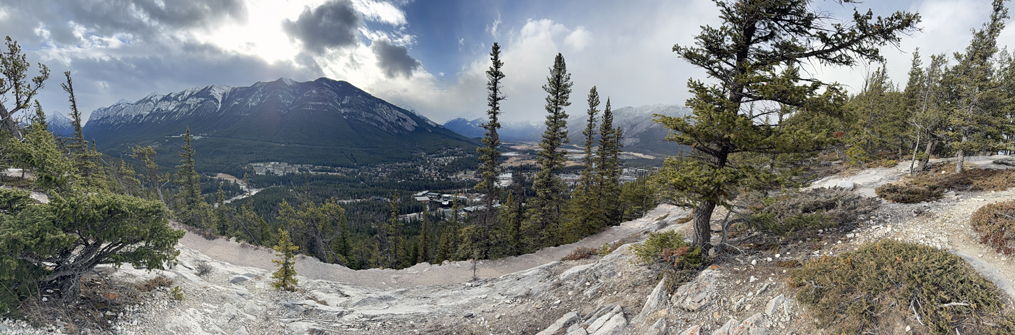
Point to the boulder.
(696, 294)
(562, 323)
(754, 325)
(657, 300)
(614, 326)
(601, 321)
(773, 305)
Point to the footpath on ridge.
(426, 274)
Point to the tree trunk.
(961, 155)
(703, 225)
(916, 148)
(931, 144)
(9, 123)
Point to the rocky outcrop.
(698, 293)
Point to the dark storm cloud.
(139, 18)
(331, 25)
(133, 15)
(394, 59)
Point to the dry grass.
(98, 304)
(794, 212)
(929, 186)
(151, 284)
(580, 253)
(203, 268)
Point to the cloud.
(380, 12)
(578, 39)
(393, 59)
(143, 18)
(495, 26)
(329, 26)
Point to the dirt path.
(942, 224)
(426, 274)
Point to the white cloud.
(380, 11)
(493, 27)
(578, 39)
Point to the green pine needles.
(543, 224)
(285, 277)
(754, 60)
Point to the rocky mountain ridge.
(282, 120)
(641, 132)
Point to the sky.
(430, 56)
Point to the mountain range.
(320, 122)
(641, 133)
(60, 125)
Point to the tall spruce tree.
(543, 222)
(585, 215)
(976, 101)
(83, 158)
(489, 153)
(927, 117)
(608, 156)
(877, 118)
(425, 237)
(394, 231)
(755, 56)
(190, 207)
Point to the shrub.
(908, 194)
(151, 284)
(812, 209)
(931, 186)
(203, 269)
(996, 225)
(177, 293)
(876, 287)
(580, 253)
(607, 248)
(669, 247)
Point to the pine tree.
(489, 154)
(608, 156)
(156, 180)
(190, 206)
(221, 213)
(877, 118)
(83, 157)
(514, 223)
(543, 222)
(394, 230)
(585, 216)
(976, 99)
(424, 237)
(13, 79)
(40, 116)
(755, 56)
(922, 96)
(285, 276)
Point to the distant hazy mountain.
(322, 122)
(641, 133)
(60, 125)
(509, 131)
